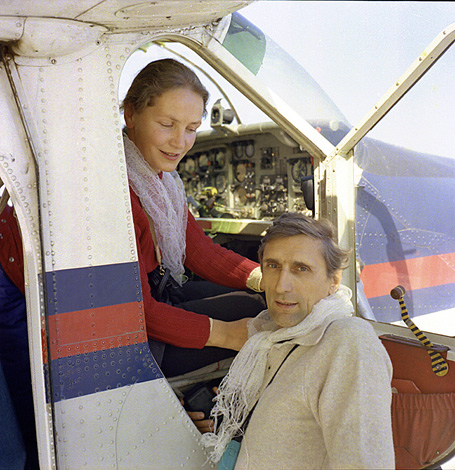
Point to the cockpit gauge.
(298, 170)
(237, 148)
(220, 158)
(203, 161)
(240, 172)
(220, 183)
(190, 165)
(249, 148)
(240, 196)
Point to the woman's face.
(166, 131)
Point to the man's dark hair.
(294, 223)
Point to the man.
(316, 378)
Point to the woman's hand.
(229, 335)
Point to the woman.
(163, 109)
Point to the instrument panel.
(246, 173)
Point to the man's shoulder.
(353, 339)
(351, 329)
(352, 323)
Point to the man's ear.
(336, 280)
(128, 114)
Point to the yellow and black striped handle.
(438, 363)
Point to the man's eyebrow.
(299, 264)
(270, 260)
(294, 262)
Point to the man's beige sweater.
(328, 406)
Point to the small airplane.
(100, 399)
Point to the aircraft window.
(276, 68)
(221, 91)
(242, 32)
(404, 199)
(246, 42)
(405, 229)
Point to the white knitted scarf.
(163, 198)
(239, 390)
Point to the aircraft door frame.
(88, 297)
(19, 175)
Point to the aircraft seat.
(423, 405)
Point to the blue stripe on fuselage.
(77, 289)
(93, 372)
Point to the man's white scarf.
(165, 201)
(239, 390)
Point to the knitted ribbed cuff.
(254, 280)
(211, 325)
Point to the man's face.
(294, 278)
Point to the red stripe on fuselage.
(414, 273)
(96, 329)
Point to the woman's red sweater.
(164, 322)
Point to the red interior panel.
(423, 407)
